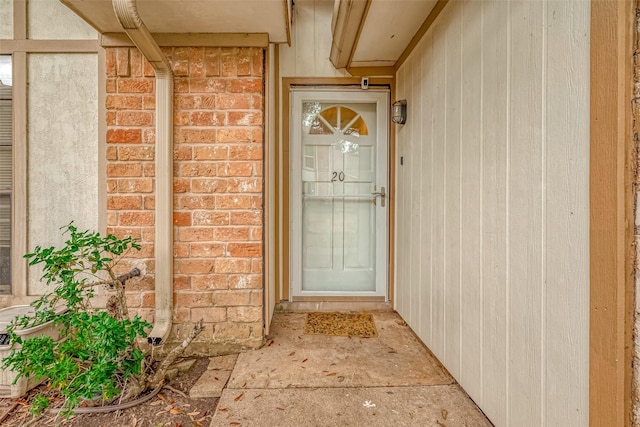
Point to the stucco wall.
(218, 187)
(6, 19)
(62, 148)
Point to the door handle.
(382, 194)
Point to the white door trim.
(381, 98)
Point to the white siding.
(63, 148)
(308, 55)
(492, 205)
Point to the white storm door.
(338, 193)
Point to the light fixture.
(399, 112)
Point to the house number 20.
(337, 176)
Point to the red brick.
(206, 118)
(207, 250)
(149, 136)
(256, 202)
(136, 153)
(209, 314)
(149, 102)
(257, 59)
(228, 62)
(196, 102)
(149, 202)
(182, 152)
(257, 102)
(149, 169)
(246, 218)
(124, 136)
(209, 282)
(197, 169)
(245, 250)
(148, 299)
(257, 297)
(235, 169)
(124, 169)
(226, 101)
(196, 135)
(111, 118)
(208, 185)
(217, 152)
(256, 266)
(193, 299)
(181, 85)
(210, 218)
(147, 69)
(181, 250)
(148, 234)
(124, 232)
(196, 61)
(112, 218)
(181, 282)
(134, 118)
(255, 233)
(245, 185)
(122, 62)
(181, 118)
(224, 234)
(120, 102)
(181, 185)
(245, 152)
(231, 298)
(241, 118)
(233, 135)
(212, 61)
(243, 62)
(209, 85)
(180, 61)
(135, 185)
(244, 86)
(124, 202)
(135, 60)
(196, 266)
(112, 185)
(195, 234)
(233, 202)
(257, 135)
(231, 265)
(245, 281)
(110, 62)
(112, 153)
(135, 86)
(136, 218)
(195, 202)
(111, 86)
(244, 314)
(182, 219)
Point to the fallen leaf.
(304, 360)
(176, 411)
(223, 409)
(270, 343)
(22, 402)
(234, 423)
(444, 414)
(292, 353)
(280, 409)
(331, 374)
(156, 403)
(160, 396)
(171, 401)
(193, 414)
(239, 397)
(216, 378)
(134, 422)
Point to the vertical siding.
(492, 226)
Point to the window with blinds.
(6, 175)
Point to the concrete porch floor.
(314, 380)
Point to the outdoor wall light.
(399, 112)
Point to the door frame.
(381, 98)
(283, 162)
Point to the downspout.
(127, 14)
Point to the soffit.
(387, 30)
(194, 16)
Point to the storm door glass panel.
(338, 210)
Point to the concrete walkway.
(313, 380)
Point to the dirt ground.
(170, 408)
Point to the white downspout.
(127, 14)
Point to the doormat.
(341, 324)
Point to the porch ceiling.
(374, 33)
(194, 16)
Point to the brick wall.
(218, 155)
